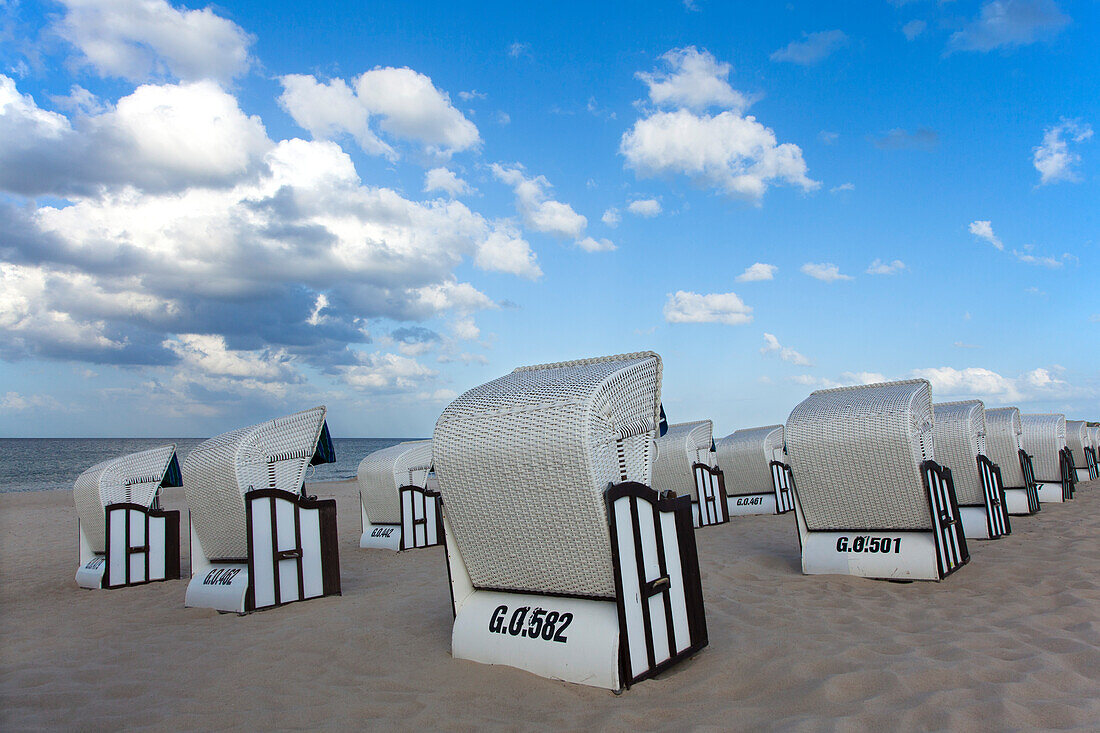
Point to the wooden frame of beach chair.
(687, 463)
(745, 457)
(125, 537)
(1094, 451)
(562, 560)
(959, 436)
(1044, 440)
(870, 500)
(1077, 440)
(399, 511)
(257, 540)
(1004, 446)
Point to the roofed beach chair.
(125, 537)
(687, 464)
(745, 457)
(1044, 439)
(399, 511)
(1004, 446)
(1077, 440)
(869, 498)
(959, 436)
(257, 540)
(563, 561)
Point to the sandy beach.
(1010, 641)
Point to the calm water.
(40, 464)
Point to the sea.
(43, 464)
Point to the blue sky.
(214, 215)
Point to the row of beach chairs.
(568, 506)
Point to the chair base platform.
(1050, 492)
(1083, 474)
(1017, 502)
(381, 537)
(569, 639)
(90, 573)
(222, 586)
(883, 555)
(975, 522)
(749, 504)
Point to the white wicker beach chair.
(562, 560)
(399, 511)
(125, 537)
(1044, 439)
(869, 498)
(1080, 447)
(686, 464)
(745, 457)
(1004, 445)
(960, 443)
(257, 540)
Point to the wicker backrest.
(523, 462)
(1077, 437)
(856, 453)
(1094, 439)
(220, 471)
(1043, 438)
(1003, 441)
(131, 479)
(745, 458)
(959, 435)
(683, 445)
(385, 471)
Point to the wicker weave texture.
(217, 474)
(1094, 439)
(856, 452)
(385, 471)
(745, 458)
(132, 479)
(523, 461)
(1077, 437)
(1003, 442)
(959, 435)
(1043, 437)
(682, 445)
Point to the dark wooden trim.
(171, 544)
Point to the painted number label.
(382, 532)
(537, 624)
(868, 544)
(95, 563)
(221, 576)
(750, 501)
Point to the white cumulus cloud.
(812, 48)
(442, 179)
(539, 211)
(688, 307)
(647, 208)
(404, 102)
(694, 79)
(141, 39)
(878, 267)
(772, 345)
(983, 229)
(1053, 158)
(732, 153)
(756, 272)
(824, 271)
